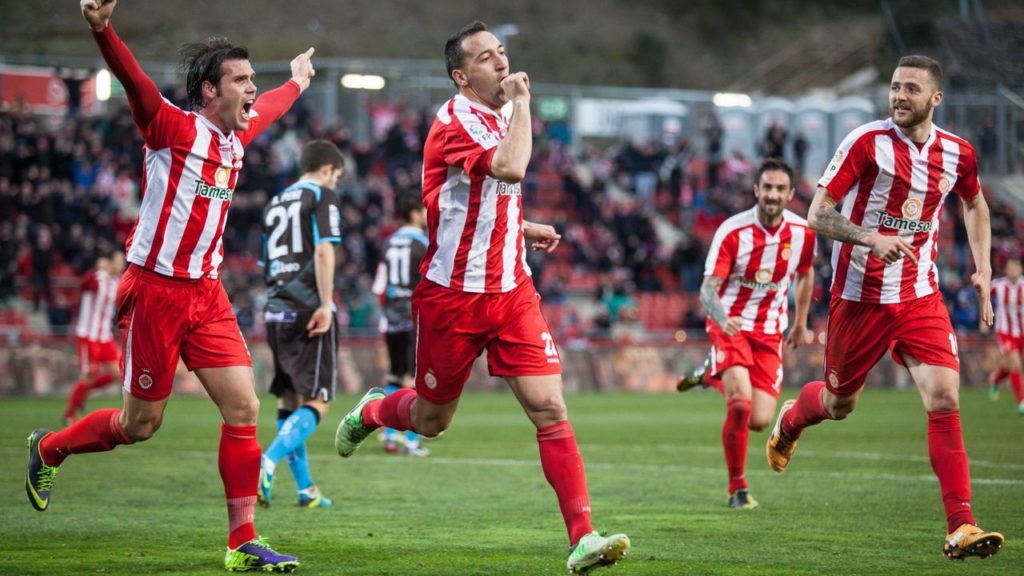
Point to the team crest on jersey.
(833, 379)
(145, 380)
(943, 184)
(221, 176)
(786, 252)
(912, 208)
(720, 357)
(430, 380)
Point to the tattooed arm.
(713, 305)
(825, 220)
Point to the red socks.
(239, 463)
(77, 398)
(1018, 389)
(808, 410)
(949, 461)
(735, 433)
(393, 411)
(98, 431)
(563, 467)
(996, 378)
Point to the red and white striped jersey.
(1008, 300)
(189, 177)
(189, 173)
(96, 306)
(886, 182)
(474, 221)
(758, 266)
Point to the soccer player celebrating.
(751, 263)
(301, 225)
(892, 176)
(1008, 294)
(171, 303)
(397, 277)
(477, 293)
(94, 341)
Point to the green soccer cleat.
(594, 551)
(742, 500)
(265, 486)
(351, 431)
(694, 379)
(993, 392)
(39, 478)
(257, 556)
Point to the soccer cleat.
(780, 448)
(314, 500)
(594, 551)
(742, 500)
(969, 540)
(1020, 409)
(694, 379)
(391, 448)
(417, 451)
(266, 485)
(351, 432)
(257, 556)
(39, 478)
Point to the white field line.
(846, 455)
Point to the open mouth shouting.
(247, 109)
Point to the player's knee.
(433, 427)
(141, 429)
(944, 399)
(547, 411)
(758, 423)
(841, 411)
(840, 408)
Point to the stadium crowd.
(636, 217)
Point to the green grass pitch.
(859, 497)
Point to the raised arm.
(979, 236)
(825, 220)
(273, 104)
(512, 155)
(143, 95)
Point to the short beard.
(916, 117)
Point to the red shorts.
(162, 319)
(92, 354)
(454, 327)
(1010, 344)
(760, 354)
(860, 333)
